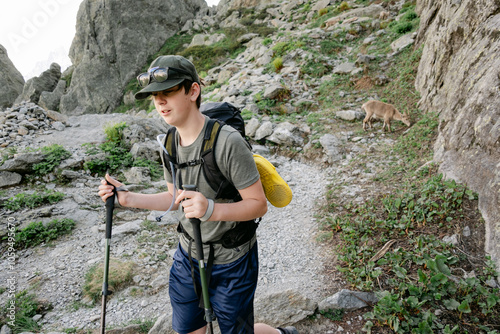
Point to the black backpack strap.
(171, 147)
(217, 181)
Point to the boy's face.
(173, 104)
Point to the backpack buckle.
(196, 162)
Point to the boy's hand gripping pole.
(110, 205)
(209, 315)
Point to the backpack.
(220, 113)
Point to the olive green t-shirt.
(236, 163)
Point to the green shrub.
(409, 16)
(329, 47)
(116, 157)
(343, 6)
(305, 8)
(266, 105)
(267, 41)
(282, 48)
(314, 68)
(31, 201)
(36, 233)
(54, 154)
(262, 29)
(247, 114)
(333, 314)
(114, 132)
(173, 45)
(402, 27)
(407, 23)
(117, 154)
(322, 11)
(247, 21)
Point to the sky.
(39, 32)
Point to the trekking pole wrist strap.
(117, 189)
(210, 210)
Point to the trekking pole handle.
(196, 226)
(110, 205)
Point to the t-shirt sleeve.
(238, 165)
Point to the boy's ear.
(195, 91)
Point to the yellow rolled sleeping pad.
(277, 191)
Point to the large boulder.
(11, 80)
(8, 179)
(22, 162)
(113, 42)
(459, 77)
(46, 82)
(51, 100)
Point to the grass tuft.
(120, 276)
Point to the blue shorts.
(231, 289)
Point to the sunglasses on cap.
(158, 74)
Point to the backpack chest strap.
(190, 163)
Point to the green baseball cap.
(166, 72)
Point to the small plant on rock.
(54, 154)
(31, 201)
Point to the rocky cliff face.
(459, 77)
(113, 42)
(11, 80)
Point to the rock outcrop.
(11, 80)
(46, 82)
(459, 77)
(113, 41)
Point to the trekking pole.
(110, 205)
(209, 316)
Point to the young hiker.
(174, 85)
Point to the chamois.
(383, 110)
